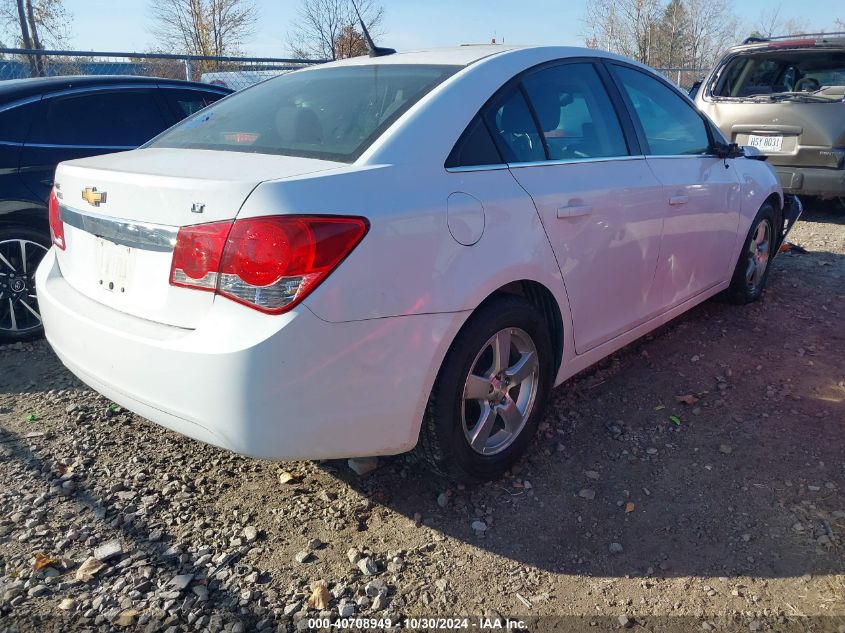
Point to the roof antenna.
(375, 51)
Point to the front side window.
(575, 113)
(669, 122)
(120, 118)
(332, 113)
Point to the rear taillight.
(57, 229)
(196, 257)
(268, 263)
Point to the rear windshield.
(777, 72)
(327, 113)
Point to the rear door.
(701, 192)
(564, 139)
(15, 120)
(87, 122)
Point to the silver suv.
(786, 97)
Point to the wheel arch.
(26, 215)
(541, 298)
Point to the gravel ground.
(693, 481)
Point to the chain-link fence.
(683, 77)
(233, 72)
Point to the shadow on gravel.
(751, 484)
(164, 555)
(823, 211)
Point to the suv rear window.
(327, 113)
(778, 72)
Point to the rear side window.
(332, 113)
(475, 147)
(671, 125)
(118, 118)
(512, 123)
(15, 122)
(184, 103)
(575, 113)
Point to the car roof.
(14, 89)
(467, 54)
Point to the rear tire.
(752, 269)
(490, 392)
(21, 250)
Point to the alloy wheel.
(500, 391)
(759, 253)
(18, 305)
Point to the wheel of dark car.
(752, 269)
(490, 392)
(21, 250)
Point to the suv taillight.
(57, 229)
(267, 263)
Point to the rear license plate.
(766, 143)
(114, 265)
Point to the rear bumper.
(283, 387)
(812, 181)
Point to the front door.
(701, 192)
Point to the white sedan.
(379, 253)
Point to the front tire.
(490, 392)
(21, 250)
(752, 269)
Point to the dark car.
(49, 120)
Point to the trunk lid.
(121, 214)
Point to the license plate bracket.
(115, 264)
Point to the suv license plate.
(114, 265)
(766, 143)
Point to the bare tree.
(35, 25)
(661, 32)
(713, 27)
(772, 23)
(628, 27)
(323, 27)
(203, 27)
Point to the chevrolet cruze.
(407, 250)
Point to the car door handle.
(574, 210)
(678, 200)
(48, 182)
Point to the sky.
(124, 25)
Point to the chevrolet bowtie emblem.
(94, 197)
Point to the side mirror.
(730, 150)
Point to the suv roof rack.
(823, 36)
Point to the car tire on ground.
(21, 250)
(490, 392)
(752, 268)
